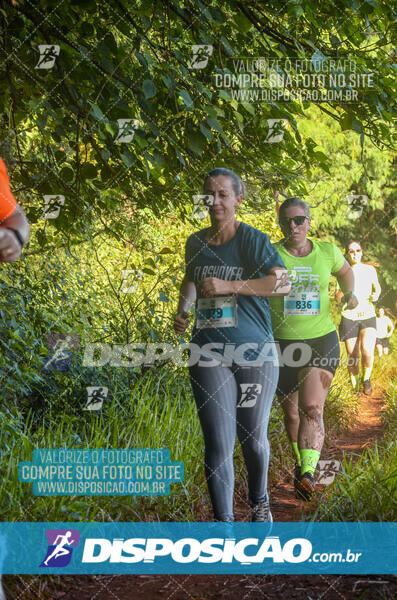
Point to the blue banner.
(190, 548)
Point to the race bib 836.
(304, 297)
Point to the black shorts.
(351, 329)
(324, 354)
(385, 342)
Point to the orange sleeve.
(7, 201)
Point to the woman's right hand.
(181, 321)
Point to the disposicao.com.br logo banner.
(153, 548)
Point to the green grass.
(159, 413)
(366, 488)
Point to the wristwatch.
(17, 235)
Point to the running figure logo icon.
(126, 132)
(59, 551)
(95, 397)
(129, 284)
(276, 130)
(282, 281)
(249, 394)
(201, 54)
(48, 54)
(328, 470)
(357, 203)
(202, 204)
(61, 346)
(52, 206)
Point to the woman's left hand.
(212, 286)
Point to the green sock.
(354, 380)
(367, 372)
(296, 452)
(309, 460)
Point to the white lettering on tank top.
(225, 272)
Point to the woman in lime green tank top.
(309, 345)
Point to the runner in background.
(384, 331)
(14, 228)
(309, 345)
(358, 325)
(231, 269)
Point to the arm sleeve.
(338, 260)
(265, 257)
(8, 203)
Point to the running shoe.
(305, 487)
(261, 512)
(367, 387)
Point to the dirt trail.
(367, 429)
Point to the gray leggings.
(230, 398)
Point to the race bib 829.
(217, 312)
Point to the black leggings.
(228, 398)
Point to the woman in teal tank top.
(231, 271)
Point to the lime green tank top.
(305, 312)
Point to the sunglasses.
(299, 220)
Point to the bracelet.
(17, 235)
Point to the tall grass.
(366, 489)
(159, 413)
